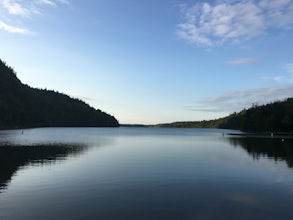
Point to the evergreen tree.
(23, 106)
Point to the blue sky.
(153, 61)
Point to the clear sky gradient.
(153, 61)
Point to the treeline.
(272, 117)
(23, 106)
(268, 147)
(13, 158)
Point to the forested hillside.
(277, 116)
(23, 106)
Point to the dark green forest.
(22, 106)
(272, 117)
(271, 148)
(13, 157)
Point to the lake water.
(143, 173)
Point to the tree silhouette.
(23, 106)
(272, 117)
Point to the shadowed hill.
(12, 158)
(266, 147)
(23, 106)
(273, 117)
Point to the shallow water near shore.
(143, 173)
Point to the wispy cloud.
(28, 8)
(211, 24)
(289, 68)
(286, 77)
(243, 61)
(238, 100)
(13, 29)
(13, 9)
(48, 2)
(54, 2)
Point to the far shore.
(279, 135)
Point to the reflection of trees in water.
(12, 158)
(267, 147)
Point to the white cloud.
(287, 77)
(27, 8)
(243, 61)
(278, 13)
(13, 29)
(13, 9)
(53, 2)
(208, 24)
(289, 68)
(238, 100)
(48, 2)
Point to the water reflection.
(142, 174)
(276, 149)
(12, 158)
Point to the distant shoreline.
(20, 128)
(277, 135)
(237, 133)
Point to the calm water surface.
(143, 173)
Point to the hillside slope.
(277, 117)
(23, 106)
